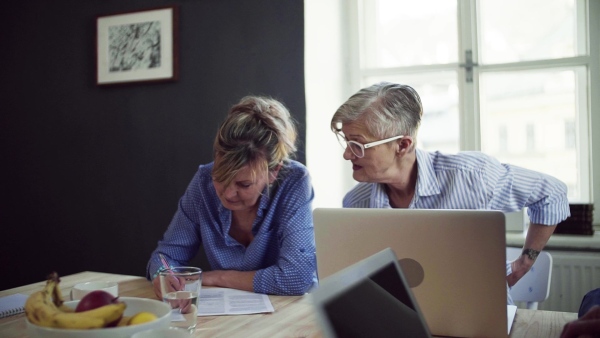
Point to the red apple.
(96, 299)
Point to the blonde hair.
(258, 131)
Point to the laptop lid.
(454, 260)
(368, 299)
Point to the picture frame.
(137, 46)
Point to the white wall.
(327, 87)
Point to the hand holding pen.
(175, 283)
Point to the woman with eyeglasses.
(377, 127)
(250, 209)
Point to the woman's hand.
(519, 267)
(211, 278)
(174, 284)
(586, 326)
(156, 287)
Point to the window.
(529, 62)
(503, 139)
(510, 78)
(570, 135)
(530, 147)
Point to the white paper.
(511, 311)
(12, 305)
(223, 301)
(176, 316)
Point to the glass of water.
(180, 288)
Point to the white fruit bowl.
(134, 305)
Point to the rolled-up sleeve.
(515, 188)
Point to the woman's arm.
(242, 280)
(514, 188)
(537, 237)
(181, 240)
(294, 273)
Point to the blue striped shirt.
(473, 180)
(283, 249)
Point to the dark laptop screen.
(378, 306)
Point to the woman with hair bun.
(250, 209)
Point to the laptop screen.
(370, 298)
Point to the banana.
(46, 308)
(92, 319)
(109, 313)
(65, 308)
(40, 305)
(74, 321)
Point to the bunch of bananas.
(46, 308)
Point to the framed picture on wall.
(138, 46)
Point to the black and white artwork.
(134, 46)
(137, 47)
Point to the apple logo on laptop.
(413, 271)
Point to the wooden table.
(293, 316)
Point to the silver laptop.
(368, 299)
(454, 260)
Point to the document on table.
(223, 301)
(12, 305)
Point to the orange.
(142, 317)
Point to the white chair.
(534, 287)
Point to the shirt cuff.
(161, 269)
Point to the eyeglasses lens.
(356, 149)
(342, 140)
(354, 146)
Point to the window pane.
(525, 30)
(527, 119)
(439, 95)
(407, 33)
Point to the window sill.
(560, 242)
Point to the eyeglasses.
(358, 149)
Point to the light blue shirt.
(473, 180)
(283, 249)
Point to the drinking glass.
(82, 289)
(180, 288)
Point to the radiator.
(573, 275)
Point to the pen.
(165, 263)
(168, 268)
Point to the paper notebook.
(12, 305)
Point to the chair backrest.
(534, 287)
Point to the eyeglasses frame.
(367, 145)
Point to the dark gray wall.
(91, 175)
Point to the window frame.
(469, 124)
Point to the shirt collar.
(427, 183)
(265, 200)
(379, 197)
